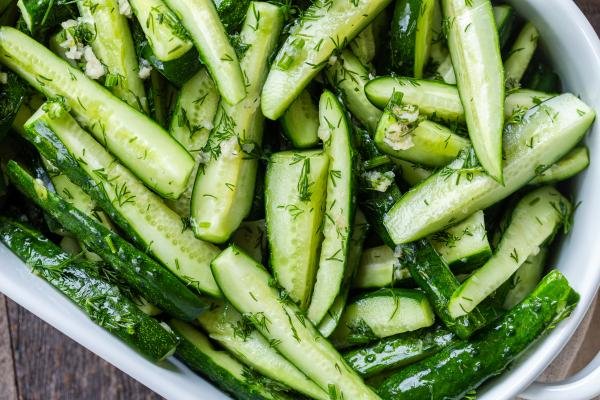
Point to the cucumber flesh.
(196, 350)
(475, 51)
(224, 187)
(145, 148)
(191, 123)
(350, 76)
(545, 134)
(321, 30)
(520, 56)
(400, 134)
(242, 281)
(202, 21)
(567, 167)
(300, 122)
(521, 100)
(340, 204)
(233, 331)
(380, 314)
(251, 237)
(379, 267)
(535, 219)
(411, 173)
(139, 212)
(525, 280)
(296, 187)
(334, 314)
(464, 246)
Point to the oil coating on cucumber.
(141, 214)
(322, 29)
(196, 350)
(544, 134)
(458, 369)
(243, 281)
(144, 274)
(143, 146)
(81, 281)
(399, 351)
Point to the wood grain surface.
(39, 363)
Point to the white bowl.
(575, 51)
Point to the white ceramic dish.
(575, 50)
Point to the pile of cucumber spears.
(337, 199)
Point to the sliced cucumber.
(224, 187)
(300, 122)
(475, 51)
(40, 16)
(196, 350)
(296, 187)
(167, 38)
(433, 98)
(113, 45)
(412, 35)
(136, 268)
(412, 174)
(85, 285)
(236, 333)
(546, 133)
(232, 13)
(434, 277)
(201, 20)
(401, 134)
(535, 219)
(252, 238)
(521, 100)
(243, 281)
(367, 43)
(525, 280)
(359, 233)
(133, 138)
(399, 351)
(340, 206)
(567, 167)
(520, 56)
(464, 246)
(350, 76)
(191, 122)
(321, 30)
(379, 267)
(380, 314)
(139, 212)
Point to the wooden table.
(38, 362)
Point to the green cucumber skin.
(153, 281)
(80, 281)
(232, 13)
(12, 95)
(434, 277)
(456, 370)
(177, 71)
(241, 387)
(399, 351)
(46, 14)
(146, 148)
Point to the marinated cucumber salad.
(328, 199)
